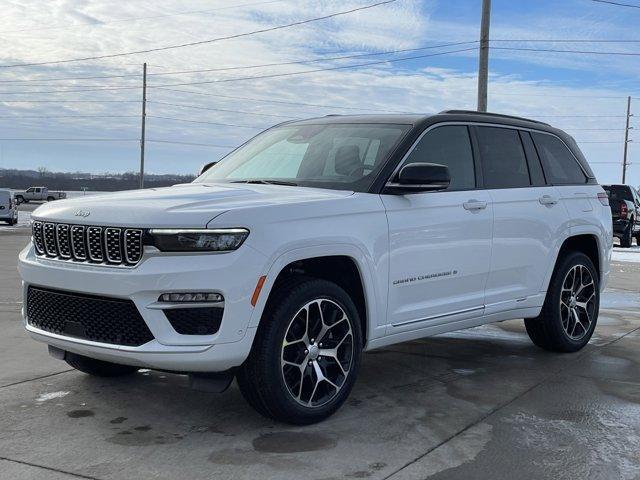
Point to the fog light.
(191, 297)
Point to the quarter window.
(450, 146)
(504, 164)
(560, 166)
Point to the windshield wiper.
(267, 182)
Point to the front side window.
(450, 146)
(560, 166)
(334, 156)
(504, 164)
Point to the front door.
(440, 242)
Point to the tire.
(281, 381)
(627, 236)
(556, 329)
(19, 199)
(50, 199)
(98, 368)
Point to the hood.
(188, 205)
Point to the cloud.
(534, 88)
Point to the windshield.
(334, 156)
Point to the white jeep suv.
(318, 240)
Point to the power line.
(255, 77)
(133, 19)
(203, 42)
(197, 107)
(205, 122)
(245, 67)
(69, 101)
(191, 143)
(564, 40)
(283, 102)
(69, 140)
(616, 3)
(552, 50)
(19, 117)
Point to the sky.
(96, 121)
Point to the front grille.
(195, 321)
(79, 243)
(99, 319)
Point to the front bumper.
(233, 274)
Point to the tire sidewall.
(567, 264)
(282, 316)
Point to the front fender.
(369, 269)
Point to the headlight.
(198, 240)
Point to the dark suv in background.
(625, 210)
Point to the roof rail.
(489, 114)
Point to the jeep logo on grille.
(82, 213)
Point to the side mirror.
(206, 167)
(420, 177)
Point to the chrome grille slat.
(38, 237)
(78, 246)
(112, 246)
(133, 245)
(62, 237)
(50, 246)
(94, 244)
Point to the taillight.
(604, 198)
(623, 210)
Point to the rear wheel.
(306, 354)
(570, 311)
(627, 236)
(98, 368)
(50, 199)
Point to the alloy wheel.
(317, 353)
(577, 302)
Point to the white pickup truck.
(38, 194)
(318, 240)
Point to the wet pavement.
(480, 403)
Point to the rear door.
(440, 242)
(527, 217)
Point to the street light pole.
(483, 67)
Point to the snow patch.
(51, 395)
(626, 255)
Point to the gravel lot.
(482, 403)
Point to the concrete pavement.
(482, 403)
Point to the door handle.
(548, 200)
(474, 205)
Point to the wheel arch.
(588, 243)
(344, 265)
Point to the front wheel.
(306, 354)
(570, 310)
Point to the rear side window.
(504, 164)
(619, 192)
(450, 146)
(560, 166)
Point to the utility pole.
(626, 141)
(144, 117)
(483, 67)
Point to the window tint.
(560, 166)
(618, 192)
(535, 167)
(503, 162)
(450, 146)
